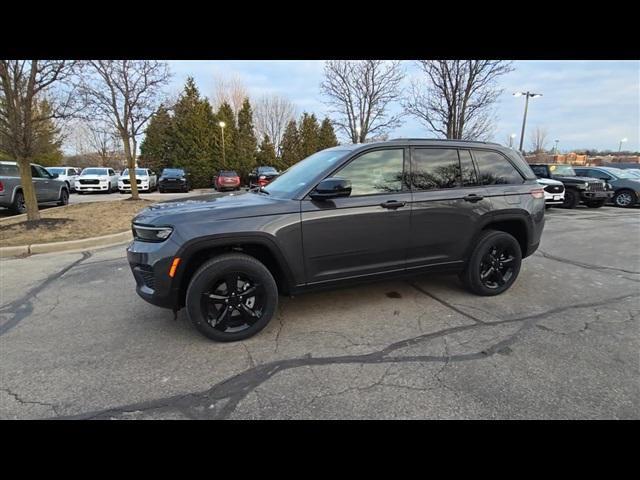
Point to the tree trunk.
(28, 189)
(131, 165)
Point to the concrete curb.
(82, 244)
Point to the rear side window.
(467, 170)
(495, 169)
(9, 171)
(539, 170)
(375, 172)
(434, 168)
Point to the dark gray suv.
(345, 214)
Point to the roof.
(415, 141)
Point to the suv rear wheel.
(231, 297)
(625, 198)
(494, 264)
(18, 205)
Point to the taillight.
(537, 193)
(1, 187)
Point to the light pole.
(222, 125)
(622, 140)
(556, 147)
(526, 107)
(511, 137)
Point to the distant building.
(581, 159)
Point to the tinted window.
(172, 171)
(59, 171)
(94, 171)
(267, 170)
(228, 173)
(468, 171)
(435, 168)
(539, 170)
(375, 172)
(35, 173)
(496, 169)
(9, 171)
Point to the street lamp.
(622, 140)
(511, 137)
(556, 147)
(222, 125)
(526, 106)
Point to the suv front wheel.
(231, 297)
(493, 265)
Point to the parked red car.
(226, 180)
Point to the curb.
(84, 243)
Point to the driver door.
(366, 233)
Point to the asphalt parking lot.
(562, 343)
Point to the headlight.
(151, 234)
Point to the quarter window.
(467, 170)
(434, 168)
(375, 172)
(496, 169)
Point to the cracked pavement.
(563, 342)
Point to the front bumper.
(172, 185)
(91, 188)
(126, 187)
(553, 198)
(150, 264)
(584, 195)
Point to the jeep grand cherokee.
(344, 214)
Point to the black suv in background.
(594, 193)
(173, 179)
(344, 214)
(625, 185)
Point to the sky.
(585, 104)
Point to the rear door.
(42, 183)
(447, 205)
(505, 185)
(363, 234)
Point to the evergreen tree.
(155, 149)
(267, 153)
(246, 143)
(229, 159)
(47, 148)
(309, 135)
(290, 146)
(192, 145)
(327, 137)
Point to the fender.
(512, 214)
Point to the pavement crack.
(588, 266)
(445, 303)
(236, 388)
(22, 401)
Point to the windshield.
(139, 171)
(618, 172)
(59, 171)
(302, 173)
(267, 170)
(634, 172)
(94, 171)
(172, 171)
(566, 170)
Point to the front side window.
(375, 172)
(435, 168)
(495, 169)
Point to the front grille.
(89, 182)
(554, 188)
(596, 187)
(127, 181)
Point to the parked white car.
(97, 179)
(553, 191)
(146, 179)
(68, 174)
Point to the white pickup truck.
(146, 179)
(97, 179)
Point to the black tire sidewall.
(17, 202)
(213, 269)
(572, 199)
(471, 275)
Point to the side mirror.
(331, 188)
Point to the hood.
(574, 180)
(92, 177)
(548, 181)
(126, 177)
(214, 207)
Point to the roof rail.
(443, 140)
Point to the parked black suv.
(173, 179)
(594, 193)
(344, 214)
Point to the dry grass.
(72, 222)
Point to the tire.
(625, 198)
(480, 262)
(160, 190)
(571, 199)
(18, 206)
(64, 197)
(80, 193)
(596, 203)
(210, 278)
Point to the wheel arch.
(516, 224)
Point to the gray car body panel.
(47, 191)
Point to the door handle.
(473, 198)
(393, 204)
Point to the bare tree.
(231, 90)
(125, 94)
(538, 140)
(271, 114)
(456, 97)
(24, 85)
(360, 93)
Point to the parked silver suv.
(48, 187)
